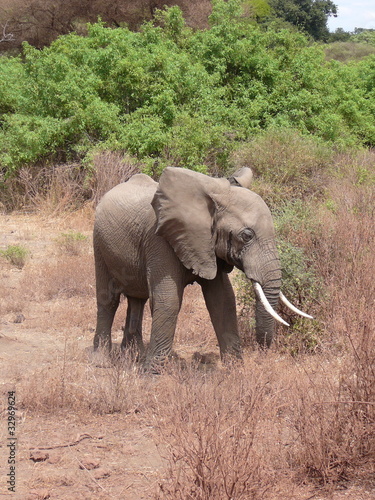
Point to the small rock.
(204, 359)
(54, 459)
(20, 318)
(101, 473)
(89, 464)
(39, 456)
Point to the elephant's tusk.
(294, 308)
(262, 297)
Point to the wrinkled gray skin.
(151, 240)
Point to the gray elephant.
(152, 239)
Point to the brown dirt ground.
(111, 456)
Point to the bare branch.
(6, 37)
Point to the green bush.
(302, 286)
(174, 95)
(71, 242)
(16, 255)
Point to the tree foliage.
(309, 15)
(168, 94)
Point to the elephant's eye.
(247, 235)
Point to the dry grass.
(348, 51)
(82, 381)
(72, 243)
(286, 165)
(62, 278)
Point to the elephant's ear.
(185, 204)
(242, 178)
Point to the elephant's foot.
(100, 358)
(155, 364)
(101, 350)
(232, 357)
(102, 342)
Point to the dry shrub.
(41, 21)
(343, 254)
(109, 170)
(52, 189)
(84, 384)
(336, 422)
(334, 433)
(212, 434)
(196, 12)
(286, 164)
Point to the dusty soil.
(71, 453)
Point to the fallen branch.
(67, 445)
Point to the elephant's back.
(137, 191)
(127, 203)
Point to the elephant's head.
(205, 219)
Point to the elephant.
(153, 239)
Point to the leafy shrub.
(172, 94)
(296, 228)
(196, 142)
(365, 36)
(303, 287)
(71, 242)
(16, 255)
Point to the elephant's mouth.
(263, 299)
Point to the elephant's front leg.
(165, 301)
(221, 304)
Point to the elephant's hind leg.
(108, 294)
(105, 316)
(133, 326)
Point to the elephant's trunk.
(265, 322)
